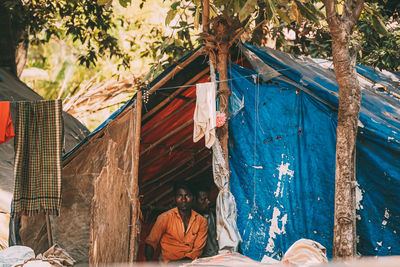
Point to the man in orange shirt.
(181, 232)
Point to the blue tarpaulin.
(282, 156)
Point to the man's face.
(203, 201)
(183, 199)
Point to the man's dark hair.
(183, 185)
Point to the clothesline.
(144, 90)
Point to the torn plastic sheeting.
(265, 71)
(235, 104)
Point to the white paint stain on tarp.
(257, 167)
(283, 172)
(387, 216)
(359, 197)
(275, 229)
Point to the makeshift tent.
(12, 89)
(281, 151)
(283, 157)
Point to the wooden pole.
(49, 232)
(134, 236)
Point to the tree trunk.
(344, 233)
(218, 40)
(344, 244)
(13, 43)
(7, 48)
(21, 51)
(224, 94)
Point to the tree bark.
(218, 40)
(13, 43)
(344, 234)
(21, 51)
(7, 48)
(224, 94)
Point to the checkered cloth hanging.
(38, 157)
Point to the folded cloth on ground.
(305, 252)
(38, 157)
(55, 256)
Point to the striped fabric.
(38, 158)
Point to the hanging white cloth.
(205, 113)
(227, 231)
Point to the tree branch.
(331, 14)
(359, 6)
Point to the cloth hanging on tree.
(228, 233)
(205, 113)
(38, 157)
(6, 126)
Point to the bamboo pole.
(174, 94)
(133, 242)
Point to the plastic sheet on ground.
(228, 259)
(15, 254)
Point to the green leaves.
(376, 19)
(378, 25)
(170, 16)
(103, 2)
(270, 10)
(124, 3)
(248, 8)
(380, 47)
(283, 16)
(306, 12)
